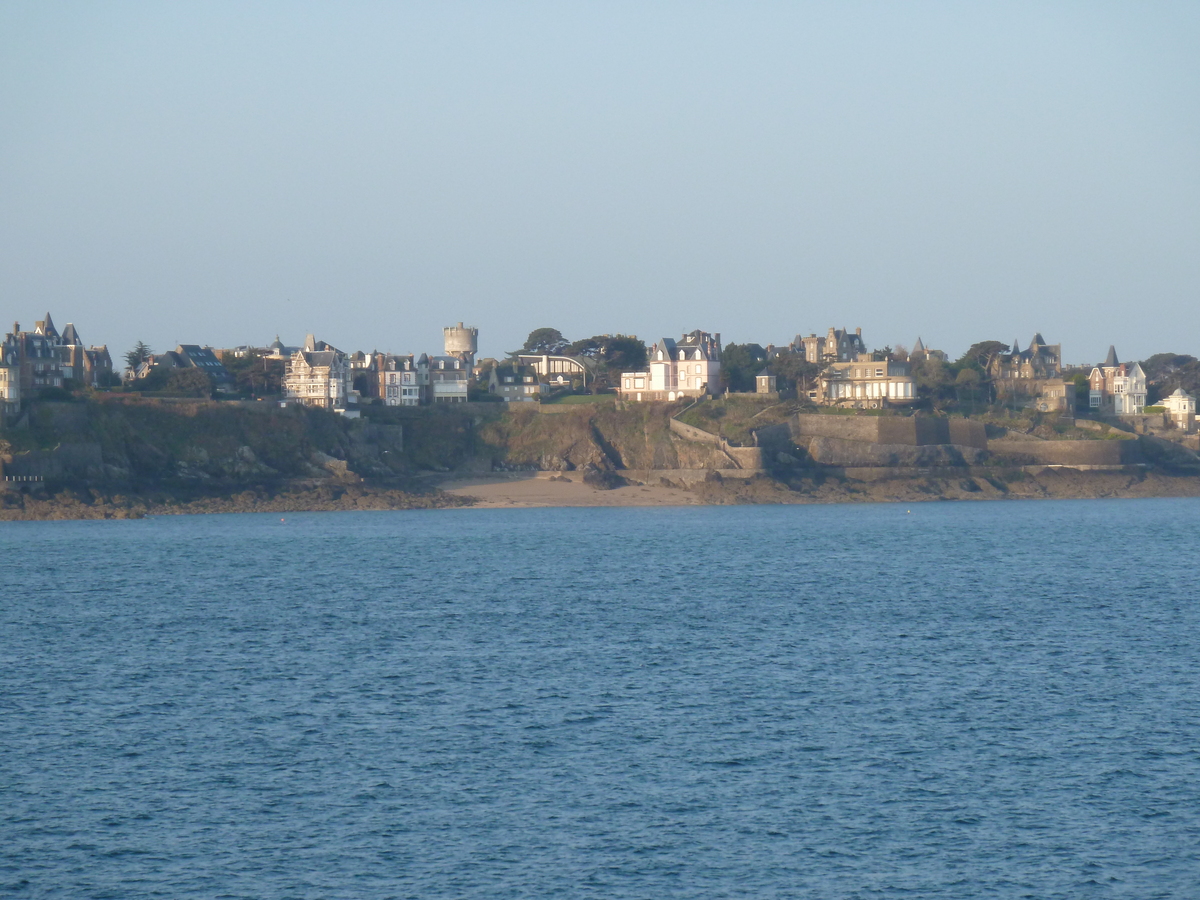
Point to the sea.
(960, 700)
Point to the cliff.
(128, 456)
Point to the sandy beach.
(530, 489)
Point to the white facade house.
(448, 377)
(1129, 392)
(865, 383)
(318, 376)
(405, 380)
(689, 367)
(1181, 408)
(1116, 388)
(415, 381)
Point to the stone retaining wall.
(836, 452)
(1068, 453)
(744, 457)
(913, 431)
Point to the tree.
(740, 363)
(793, 371)
(545, 340)
(255, 374)
(968, 379)
(980, 355)
(624, 354)
(1167, 371)
(1161, 365)
(592, 348)
(934, 382)
(191, 381)
(138, 355)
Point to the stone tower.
(462, 342)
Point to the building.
(689, 367)
(764, 382)
(1181, 409)
(10, 378)
(278, 350)
(559, 371)
(38, 360)
(865, 383)
(405, 380)
(1033, 377)
(516, 383)
(203, 358)
(89, 366)
(920, 352)
(1056, 395)
(838, 345)
(448, 378)
(317, 375)
(1117, 389)
(1037, 361)
(362, 372)
(190, 356)
(47, 359)
(461, 342)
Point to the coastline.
(523, 490)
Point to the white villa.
(865, 383)
(1116, 388)
(689, 367)
(1181, 408)
(317, 375)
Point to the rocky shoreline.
(113, 459)
(558, 490)
(69, 504)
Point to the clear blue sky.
(222, 172)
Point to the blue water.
(961, 700)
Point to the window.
(879, 373)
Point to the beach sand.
(533, 489)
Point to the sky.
(219, 173)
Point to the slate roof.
(320, 358)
